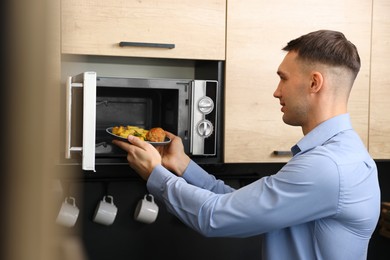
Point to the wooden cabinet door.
(379, 137)
(96, 27)
(256, 32)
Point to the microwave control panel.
(204, 117)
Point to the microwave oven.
(189, 108)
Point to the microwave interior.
(145, 108)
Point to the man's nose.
(277, 92)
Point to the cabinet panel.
(95, 27)
(256, 32)
(379, 144)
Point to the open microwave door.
(87, 81)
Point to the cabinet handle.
(282, 153)
(147, 44)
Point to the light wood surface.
(379, 137)
(256, 32)
(197, 28)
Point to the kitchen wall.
(379, 245)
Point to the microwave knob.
(206, 105)
(205, 128)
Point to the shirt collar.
(322, 133)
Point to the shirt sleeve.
(298, 193)
(197, 176)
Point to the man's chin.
(288, 121)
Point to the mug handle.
(150, 196)
(110, 197)
(71, 198)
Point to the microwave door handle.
(89, 119)
(68, 116)
(68, 122)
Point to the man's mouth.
(282, 108)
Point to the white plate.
(109, 130)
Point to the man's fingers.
(133, 140)
(121, 144)
(169, 134)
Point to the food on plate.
(156, 134)
(125, 131)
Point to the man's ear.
(317, 80)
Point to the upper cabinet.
(256, 33)
(182, 29)
(379, 135)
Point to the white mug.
(105, 212)
(69, 212)
(146, 210)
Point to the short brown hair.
(327, 47)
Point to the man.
(323, 204)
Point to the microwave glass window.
(145, 108)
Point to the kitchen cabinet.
(256, 32)
(379, 132)
(95, 27)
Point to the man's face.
(293, 90)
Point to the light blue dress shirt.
(323, 204)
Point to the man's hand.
(142, 156)
(173, 155)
